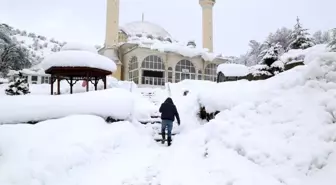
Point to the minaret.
(112, 35)
(112, 23)
(207, 7)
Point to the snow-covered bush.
(271, 54)
(19, 87)
(260, 72)
(277, 67)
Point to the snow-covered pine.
(300, 38)
(19, 87)
(332, 43)
(277, 67)
(270, 54)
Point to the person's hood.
(169, 100)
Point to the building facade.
(33, 77)
(138, 59)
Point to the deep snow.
(277, 131)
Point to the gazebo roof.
(78, 71)
(78, 60)
(73, 46)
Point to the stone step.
(173, 134)
(159, 140)
(150, 122)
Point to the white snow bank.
(143, 108)
(73, 150)
(116, 103)
(322, 66)
(327, 175)
(281, 129)
(79, 47)
(224, 96)
(78, 59)
(3, 80)
(298, 55)
(233, 69)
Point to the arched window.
(184, 70)
(170, 75)
(133, 70)
(210, 72)
(199, 75)
(153, 71)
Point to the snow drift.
(117, 103)
(271, 132)
(72, 150)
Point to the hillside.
(37, 46)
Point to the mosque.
(147, 54)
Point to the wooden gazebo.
(73, 74)
(76, 63)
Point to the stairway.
(151, 96)
(155, 120)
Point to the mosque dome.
(144, 28)
(79, 47)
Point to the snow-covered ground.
(277, 131)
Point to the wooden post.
(87, 82)
(104, 79)
(52, 84)
(58, 85)
(71, 85)
(96, 83)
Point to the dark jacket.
(168, 111)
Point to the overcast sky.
(235, 21)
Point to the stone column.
(112, 23)
(207, 23)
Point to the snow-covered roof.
(79, 47)
(30, 72)
(176, 47)
(78, 59)
(233, 69)
(145, 28)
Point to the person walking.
(168, 113)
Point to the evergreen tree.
(332, 43)
(300, 38)
(270, 59)
(270, 54)
(19, 87)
